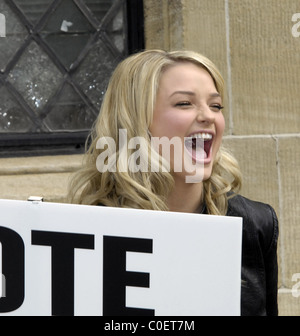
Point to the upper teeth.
(205, 136)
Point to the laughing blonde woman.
(177, 95)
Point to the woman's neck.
(186, 197)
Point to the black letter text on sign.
(116, 278)
(13, 269)
(63, 245)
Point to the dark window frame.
(66, 143)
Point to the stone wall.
(45, 176)
(251, 42)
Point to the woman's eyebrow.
(215, 94)
(190, 93)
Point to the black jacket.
(259, 256)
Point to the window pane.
(33, 9)
(70, 113)
(35, 77)
(99, 8)
(67, 31)
(12, 117)
(15, 36)
(93, 76)
(116, 31)
(55, 63)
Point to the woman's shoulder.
(259, 219)
(241, 204)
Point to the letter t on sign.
(63, 246)
(116, 278)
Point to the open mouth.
(199, 146)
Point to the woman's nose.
(205, 115)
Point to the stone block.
(288, 305)
(53, 187)
(163, 24)
(257, 159)
(289, 160)
(264, 67)
(40, 164)
(45, 176)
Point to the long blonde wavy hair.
(128, 104)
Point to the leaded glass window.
(55, 62)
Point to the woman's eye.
(183, 103)
(216, 107)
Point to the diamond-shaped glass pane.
(116, 30)
(33, 9)
(67, 47)
(67, 17)
(12, 117)
(67, 31)
(93, 76)
(111, 14)
(15, 36)
(70, 113)
(99, 7)
(35, 77)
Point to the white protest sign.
(60, 259)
